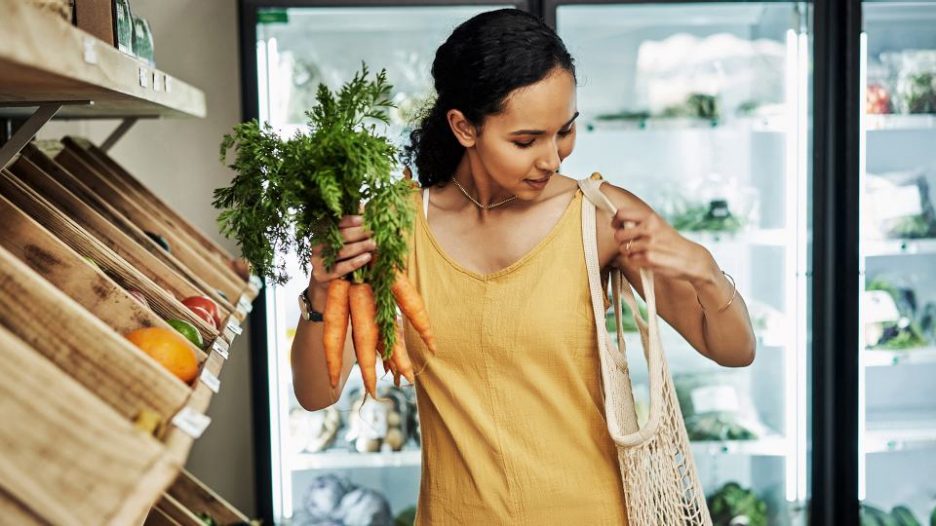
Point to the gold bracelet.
(734, 292)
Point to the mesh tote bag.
(661, 485)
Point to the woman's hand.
(357, 251)
(646, 240)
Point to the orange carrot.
(411, 304)
(335, 328)
(401, 360)
(365, 333)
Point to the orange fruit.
(168, 348)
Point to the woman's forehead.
(547, 103)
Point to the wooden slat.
(67, 456)
(14, 512)
(83, 346)
(158, 517)
(65, 268)
(109, 247)
(196, 496)
(177, 512)
(64, 180)
(130, 185)
(43, 58)
(202, 267)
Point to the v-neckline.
(424, 221)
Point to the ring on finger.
(627, 247)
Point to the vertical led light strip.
(862, 168)
(802, 266)
(789, 278)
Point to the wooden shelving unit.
(100, 430)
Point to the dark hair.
(482, 62)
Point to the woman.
(510, 407)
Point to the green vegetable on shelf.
(733, 504)
(920, 93)
(714, 217)
(904, 516)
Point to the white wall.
(196, 41)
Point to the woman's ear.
(465, 132)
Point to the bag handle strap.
(649, 329)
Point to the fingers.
(341, 268)
(350, 250)
(633, 215)
(349, 221)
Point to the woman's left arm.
(692, 293)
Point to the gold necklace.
(479, 205)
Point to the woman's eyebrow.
(541, 132)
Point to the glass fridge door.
(345, 461)
(897, 413)
(702, 110)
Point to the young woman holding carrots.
(510, 404)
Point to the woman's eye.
(564, 133)
(523, 144)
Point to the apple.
(206, 304)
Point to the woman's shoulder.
(620, 197)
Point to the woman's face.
(523, 146)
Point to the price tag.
(155, 81)
(234, 327)
(191, 422)
(144, 78)
(245, 304)
(256, 282)
(219, 348)
(90, 51)
(167, 83)
(208, 378)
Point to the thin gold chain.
(479, 205)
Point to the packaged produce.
(890, 315)
(314, 431)
(733, 505)
(332, 500)
(899, 205)
(718, 406)
(378, 425)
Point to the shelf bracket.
(26, 132)
(118, 133)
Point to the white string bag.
(661, 485)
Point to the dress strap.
(425, 195)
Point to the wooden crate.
(39, 171)
(68, 457)
(205, 266)
(72, 274)
(132, 187)
(122, 258)
(194, 495)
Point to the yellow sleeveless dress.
(510, 408)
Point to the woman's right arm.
(310, 374)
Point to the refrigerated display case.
(897, 397)
(703, 111)
(740, 122)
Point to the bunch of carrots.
(290, 193)
(355, 301)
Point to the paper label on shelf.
(219, 348)
(155, 81)
(879, 307)
(191, 422)
(256, 282)
(90, 50)
(234, 327)
(245, 304)
(715, 398)
(896, 202)
(144, 78)
(167, 83)
(208, 378)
